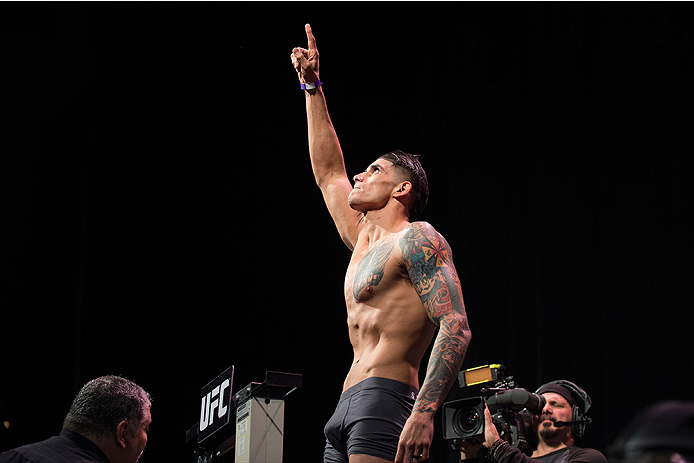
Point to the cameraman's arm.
(499, 450)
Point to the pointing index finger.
(309, 36)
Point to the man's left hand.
(416, 437)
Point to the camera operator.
(555, 443)
(108, 422)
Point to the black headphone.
(582, 403)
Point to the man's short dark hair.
(409, 166)
(104, 402)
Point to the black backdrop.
(160, 220)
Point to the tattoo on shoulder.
(429, 263)
(427, 256)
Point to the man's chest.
(374, 270)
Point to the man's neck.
(545, 447)
(378, 224)
(100, 442)
(108, 447)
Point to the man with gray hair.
(108, 422)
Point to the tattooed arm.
(429, 263)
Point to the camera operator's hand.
(470, 447)
(491, 435)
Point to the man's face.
(373, 187)
(138, 440)
(556, 409)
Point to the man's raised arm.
(324, 147)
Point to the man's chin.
(548, 431)
(355, 205)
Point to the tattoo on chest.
(372, 267)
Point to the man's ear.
(121, 429)
(402, 189)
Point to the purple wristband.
(311, 85)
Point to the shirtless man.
(400, 287)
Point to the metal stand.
(258, 432)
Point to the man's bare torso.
(388, 325)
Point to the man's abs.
(388, 342)
(381, 361)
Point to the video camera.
(512, 409)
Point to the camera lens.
(469, 420)
(466, 421)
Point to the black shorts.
(368, 420)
